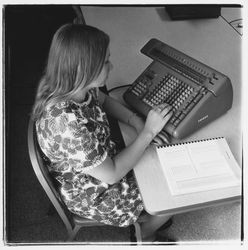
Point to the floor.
(27, 221)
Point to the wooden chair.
(73, 223)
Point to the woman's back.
(76, 138)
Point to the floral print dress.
(76, 137)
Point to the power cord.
(231, 24)
(237, 20)
(118, 87)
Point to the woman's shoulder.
(59, 113)
(56, 109)
(63, 108)
(59, 120)
(82, 109)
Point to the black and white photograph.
(122, 124)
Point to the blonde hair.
(75, 59)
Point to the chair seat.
(79, 220)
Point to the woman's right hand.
(157, 118)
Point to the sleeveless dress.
(75, 137)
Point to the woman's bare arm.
(112, 170)
(121, 112)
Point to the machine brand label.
(203, 118)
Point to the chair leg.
(73, 233)
(138, 232)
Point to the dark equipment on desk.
(197, 93)
(193, 11)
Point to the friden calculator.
(197, 93)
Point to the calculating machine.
(197, 93)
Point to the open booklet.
(199, 166)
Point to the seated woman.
(95, 181)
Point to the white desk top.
(211, 41)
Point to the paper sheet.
(199, 166)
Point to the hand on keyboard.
(158, 117)
(162, 139)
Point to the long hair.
(75, 59)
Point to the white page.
(198, 166)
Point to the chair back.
(39, 164)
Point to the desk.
(211, 41)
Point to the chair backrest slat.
(45, 178)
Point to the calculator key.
(173, 119)
(181, 116)
(191, 105)
(176, 122)
(198, 98)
